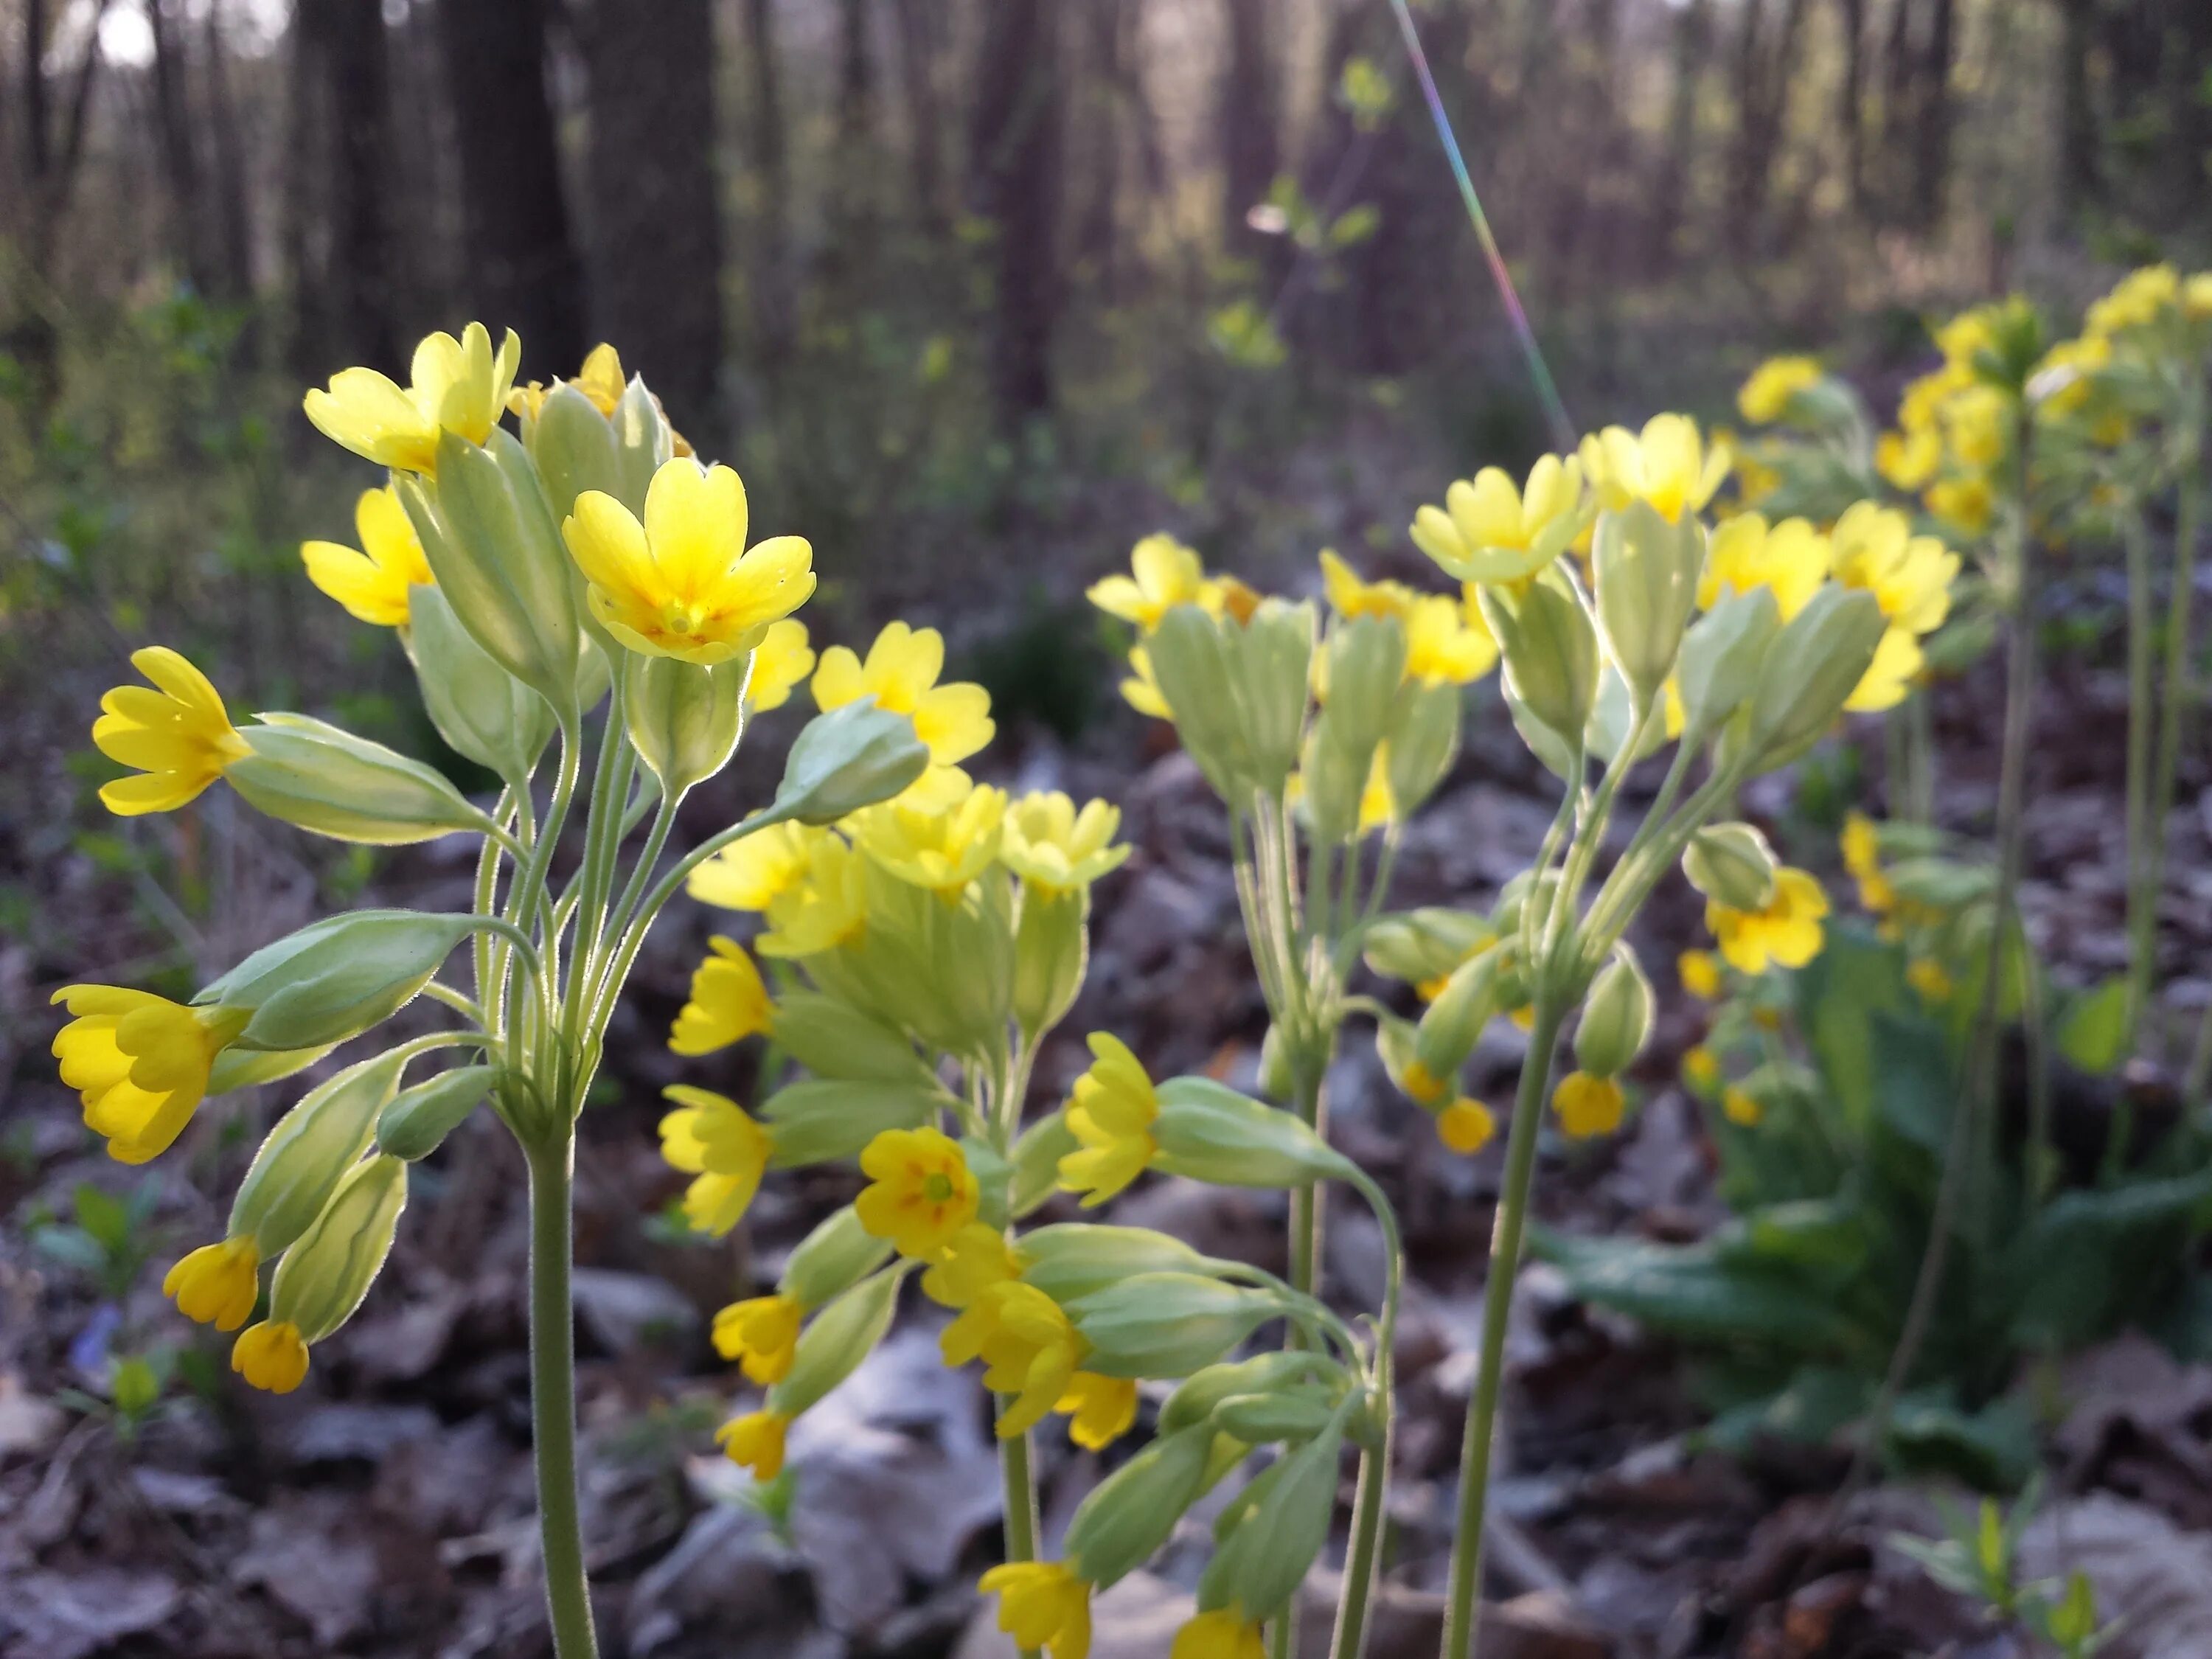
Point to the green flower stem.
(1019, 1484)
(1368, 1503)
(553, 1395)
(489, 966)
(1308, 1213)
(2176, 702)
(602, 819)
(1460, 1612)
(460, 1001)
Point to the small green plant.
(1978, 1557)
(109, 1240)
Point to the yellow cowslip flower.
(1862, 849)
(1043, 1606)
(920, 1192)
(942, 848)
(1239, 599)
(1099, 1410)
(217, 1285)
(755, 1442)
(712, 1137)
(1928, 976)
(1978, 424)
(751, 873)
(1789, 559)
(373, 581)
(2062, 382)
(271, 1356)
(1466, 1125)
(760, 1336)
(1225, 1633)
(1909, 460)
(1447, 642)
(1786, 933)
(1588, 1106)
(2137, 300)
(1351, 597)
(139, 1062)
(1488, 531)
(1701, 1068)
(1740, 1107)
(1968, 502)
(826, 907)
(455, 385)
(1378, 807)
(1873, 547)
(1110, 1110)
(176, 732)
(1667, 465)
(1699, 974)
(1056, 849)
(1754, 479)
(1028, 1347)
(1165, 574)
(1764, 397)
(901, 674)
(1421, 1085)
(729, 1002)
(2196, 297)
(781, 661)
(975, 1259)
(684, 584)
(1140, 691)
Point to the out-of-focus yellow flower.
(1699, 974)
(2196, 297)
(1929, 977)
(600, 380)
(1968, 503)
(684, 584)
(1029, 1348)
(901, 674)
(1910, 577)
(1238, 599)
(1351, 596)
(1447, 642)
(176, 732)
(781, 661)
(920, 1192)
(755, 1442)
(1043, 1606)
(750, 874)
(942, 848)
(1790, 559)
(1378, 807)
(1056, 849)
(2062, 381)
(1140, 691)
(455, 385)
(1977, 425)
(1764, 397)
(217, 1284)
(1787, 932)
(1165, 574)
(1740, 1107)
(1861, 843)
(1110, 1111)
(139, 1062)
(271, 1356)
(372, 581)
(1965, 337)
(1099, 1410)
(729, 1002)
(824, 906)
(1466, 1125)
(1225, 1633)
(1489, 530)
(760, 1336)
(2137, 301)
(1588, 1106)
(1701, 1068)
(1909, 460)
(1667, 465)
(975, 1259)
(1754, 479)
(713, 1137)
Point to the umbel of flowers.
(930, 944)
(587, 562)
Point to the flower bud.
(1720, 660)
(1069, 1260)
(1282, 1414)
(1203, 1391)
(305, 1156)
(1052, 952)
(1647, 571)
(1276, 1078)
(1333, 781)
(1134, 1511)
(1167, 1324)
(1616, 1016)
(1191, 660)
(1038, 1154)
(479, 708)
(1424, 738)
(850, 758)
(836, 1341)
(820, 1119)
(574, 446)
(832, 1258)
(1419, 947)
(324, 1277)
(1274, 657)
(1366, 663)
(684, 720)
(833, 1039)
(317, 777)
(336, 978)
(1454, 1021)
(643, 443)
(1550, 650)
(1209, 1132)
(418, 1120)
(1274, 1537)
(1814, 665)
(1731, 864)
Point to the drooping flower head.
(760, 1336)
(1588, 1106)
(1786, 933)
(1043, 1606)
(1699, 974)
(755, 1442)
(373, 581)
(1224, 1633)
(1466, 1125)
(1490, 531)
(729, 1002)
(1110, 1111)
(140, 1062)
(684, 584)
(712, 1137)
(271, 1356)
(176, 732)
(975, 1259)
(920, 1192)
(1056, 849)
(1164, 574)
(1030, 1349)
(1099, 1410)
(900, 672)
(1764, 397)
(217, 1285)
(455, 385)
(1667, 465)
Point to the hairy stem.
(1019, 1481)
(553, 1395)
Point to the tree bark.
(920, 24)
(1931, 138)
(364, 252)
(1015, 156)
(1246, 108)
(1851, 100)
(1766, 60)
(174, 139)
(773, 307)
(656, 210)
(520, 268)
(1670, 200)
(234, 265)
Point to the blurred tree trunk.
(364, 252)
(656, 256)
(519, 268)
(1851, 100)
(1766, 66)
(49, 179)
(1015, 164)
(179, 155)
(1932, 127)
(920, 26)
(235, 265)
(1670, 198)
(1246, 108)
(773, 307)
(1106, 47)
(2077, 160)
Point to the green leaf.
(1688, 1291)
(2093, 1033)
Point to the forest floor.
(385, 1509)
